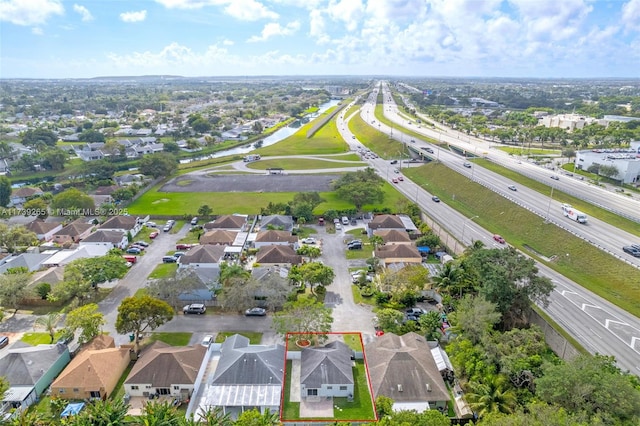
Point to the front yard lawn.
(173, 339)
(40, 338)
(164, 270)
(254, 337)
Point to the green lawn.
(358, 298)
(376, 141)
(254, 337)
(118, 391)
(572, 257)
(191, 238)
(40, 338)
(164, 270)
(367, 247)
(533, 151)
(173, 339)
(302, 164)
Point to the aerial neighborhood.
(319, 250)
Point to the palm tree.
(214, 416)
(495, 394)
(448, 277)
(229, 272)
(103, 413)
(158, 414)
(49, 323)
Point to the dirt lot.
(250, 183)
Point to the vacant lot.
(250, 183)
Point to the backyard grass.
(326, 140)
(584, 206)
(40, 338)
(118, 391)
(302, 164)
(254, 337)
(164, 270)
(572, 257)
(191, 238)
(171, 339)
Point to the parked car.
(415, 311)
(255, 312)
(4, 341)
(194, 221)
(169, 259)
(141, 248)
(512, 187)
(338, 226)
(308, 240)
(141, 243)
(153, 235)
(435, 199)
(150, 224)
(167, 228)
(631, 250)
(354, 246)
(183, 246)
(194, 308)
(178, 254)
(207, 340)
(134, 250)
(499, 239)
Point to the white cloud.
(249, 10)
(32, 12)
(37, 31)
(273, 29)
(350, 12)
(631, 15)
(227, 42)
(84, 12)
(190, 4)
(133, 16)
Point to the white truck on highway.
(573, 214)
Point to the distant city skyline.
(191, 38)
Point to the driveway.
(136, 278)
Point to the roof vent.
(428, 387)
(400, 388)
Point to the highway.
(598, 325)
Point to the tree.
(13, 288)
(37, 137)
(535, 414)
(360, 188)
(72, 199)
(235, 272)
(310, 251)
(475, 317)
(98, 412)
(316, 273)
(158, 164)
(609, 171)
(305, 316)
(91, 135)
(158, 414)
(171, 147)
(494, 394)
(411, 417)
(99, 170)
(430, 324)
(5, 191)
(137, 314)
(4, 387)
(36, 205)
(389, 319)
(384, 406)
(430, 240)
(205, 211)
(12, 236)
(86, 318)
(169, 289)
(49, 322)
(214, 416)
(594, 386)
(99, 269)
(54, 158)
(73, 285)
(255, 418)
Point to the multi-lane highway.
(597, 324)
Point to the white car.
(308, 240)
(207, 340)
(338, 226)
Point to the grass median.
(579, 261)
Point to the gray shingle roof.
(330, 364)
(277, 220)
(244, 364)
(26, 365)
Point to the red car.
(153, 235)
(400, 178)
(183, 246)
(499, 239)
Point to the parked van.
(345, 220)
(132, 259)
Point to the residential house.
(108, 238)
(393, 236)
(247, 377)
(43, 230)
(272, 237)
(123, 224)
(74, 232)
(278, 255)
(21, 195)
(276, 221)
(326, 371)
(219, 236)
(90, 155)
(64, 257)
(202, 256)
(229, 222)
(390, 221)
(94, 372)
(165, 370)
(406, 372)
(29, 371)
(398, 253)
(31, 261)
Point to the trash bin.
(132, 337)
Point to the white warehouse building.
(627, 161)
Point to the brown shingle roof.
(392, 235)
(397, 251)
(228, 221)
(386, 221)
(74, 229)
(278, 254)
(92, 369)
(274, 236)
(26, 191)
(120, 222)
(206, 253)
(162, 365)
(41, 227)
(404, 362)
(218, 236)
(102, 236)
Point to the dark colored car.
(554, 177)
(631, 250)
(169, 259)
(141, 243)
(354, 246)
(134, 250)
(4, 341)
(255, 312)
(394, 161)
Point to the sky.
(427, 38)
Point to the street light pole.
(549, 206)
